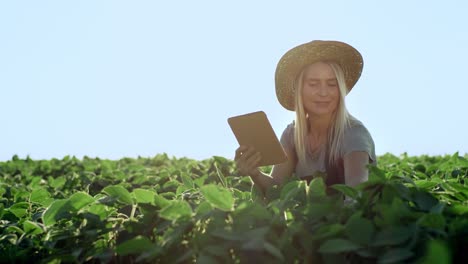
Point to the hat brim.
(294, 61)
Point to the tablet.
(255, 130)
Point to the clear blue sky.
(120, 79)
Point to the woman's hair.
(340, 119)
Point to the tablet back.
(255, 130)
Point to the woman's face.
(320, 92)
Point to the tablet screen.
(255, 130)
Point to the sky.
(114, 79)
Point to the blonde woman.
(313, 80)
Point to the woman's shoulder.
(290, 126)
(287, 137)
(356, 126)
(358, 138)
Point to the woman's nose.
(323, 90)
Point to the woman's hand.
(247, 160)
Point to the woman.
(313, 79)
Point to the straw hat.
(292, 63)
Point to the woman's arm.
(355, 167)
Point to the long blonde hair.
(341, 119)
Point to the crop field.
(168, 210)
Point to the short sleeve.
(358, 138)
(287, 138)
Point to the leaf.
(14, 229)
(338, 246)
(289, 190)
(376, 174)
(160, 201)
(54, 212)
(187, 181)
(19, 209)
(392, 235)
(359, 230)
(438, 208)
(100, 210)
(317, 187)
(346, 190)
(437, 253)
(58, 182)
(218, 197)
(318, 210)
(458, 209)
(144, 196)
(79, 200)
(425, 184)
(436, 221)
(32, 228)
(135, 245)
(327, 231)
(251, 211)
(40, 196)
(120, 193)
(456, 189)
(395, 256)
(203, 208)
(176, 210)
(424, 200)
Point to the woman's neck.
(318, 126)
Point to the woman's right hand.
(247, 160)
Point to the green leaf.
(359, 230)
(338, 246)
(318, 210)
(203, 208)
(424, 200)
(458, 209)
(290, 189)
(176, 210)
(392, 235)
(160, 201)
(19, 209)
(119, 193)
(100, 210)
(425, 184)
(14, 229)
(40, 196)
(187, 181)
(79, 200)
(327, 231)
(32, 228)
(346, 190)
(317, 187)
(436, 221)
(218, 197)
(144, 196)
(376, 174)
(54, 212)
(395, 256)
(437, 253)
(135, 245)
(58, 182)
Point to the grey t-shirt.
(356, 138)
